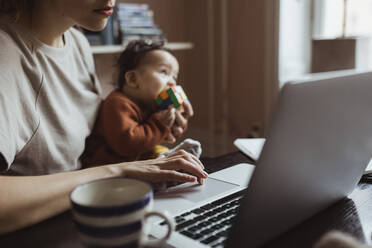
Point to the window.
(335, 18)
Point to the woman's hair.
(131, 57)
(15, 8)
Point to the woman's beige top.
(49, 99)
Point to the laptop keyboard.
(210, 223)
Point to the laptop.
(317, 147)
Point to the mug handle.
(145, 241)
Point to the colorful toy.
(173, 95)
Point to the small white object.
(189, 145)
(239, 174)
(369, 167)
(250, 147)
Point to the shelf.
(105, 49)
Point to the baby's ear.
(131, 79)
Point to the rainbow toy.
(173, 95)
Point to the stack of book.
(136, 21)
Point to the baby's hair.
(131, 57)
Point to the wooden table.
(352, 215)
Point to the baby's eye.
(164, 71)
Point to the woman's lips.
(107, 11)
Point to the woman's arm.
(27, 200)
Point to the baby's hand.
(170, 139)
(177, 127)
(167, 116)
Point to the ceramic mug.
(112, 213)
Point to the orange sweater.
(122, 132)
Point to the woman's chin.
(96, 27)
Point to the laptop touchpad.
(185, 196)
(195, 192)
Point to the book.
(132, 7)
(136, 24)
(141, 31)
(146, 14)
(136, 21)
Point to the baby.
(129, 125)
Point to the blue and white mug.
(112, 212)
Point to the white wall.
(294, 39)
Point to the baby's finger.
(189, 112)
(172, 116)
(180, 120)
(170, 139)
(177, 131)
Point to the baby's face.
(158, 70)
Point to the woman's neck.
(47, 25)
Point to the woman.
(49, 96)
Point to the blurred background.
(236, 54)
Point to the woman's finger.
(189, 156)
(159, 186)
(152, 171)
(181, 163)
(172, 175)
(201, 181)
(197, 160)
(166, 168)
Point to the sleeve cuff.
(5, 153)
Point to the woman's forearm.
(26, 200)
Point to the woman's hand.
(167, 168)
(180, 124)
(49, 194)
